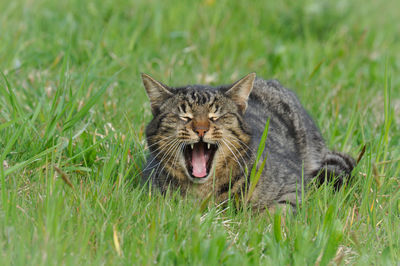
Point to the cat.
(204, 140)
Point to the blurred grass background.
(73, 111)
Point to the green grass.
(73, 112)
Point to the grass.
(73, 112)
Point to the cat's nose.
(201, 127)
(201, 131)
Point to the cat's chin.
(197, 180)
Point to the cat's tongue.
(199, 161)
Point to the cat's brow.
(183, 108)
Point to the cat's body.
(231, 120)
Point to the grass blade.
(256, 173)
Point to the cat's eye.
(213, 118)
(185, 118)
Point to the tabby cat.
(204, 140)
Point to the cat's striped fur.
(202, 139)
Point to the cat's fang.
(208, 146)
(191, 146)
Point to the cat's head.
(197, 129)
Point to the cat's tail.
(336, 167)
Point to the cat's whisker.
(156, 167)
(240, 154)
(160, 150)
(171, 153)
(176, 154)
(155, 143)
(174, 148)
(167, 152)
(223, 153)
(239, 141)
(181, 149)
(236, 159)
(178, 151)
(160, 140)
(143, 148)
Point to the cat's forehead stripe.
(200, 97)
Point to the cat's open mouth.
(198, 158)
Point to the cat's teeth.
(191, 146)
(208, 145)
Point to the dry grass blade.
(204, 203)
(116, 241)
(64, 177)
(387, 162)
(361, 154)
(5, 164)
(376, 175)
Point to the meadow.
(73, 113)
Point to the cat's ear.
(156, 91)
(240, 91)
